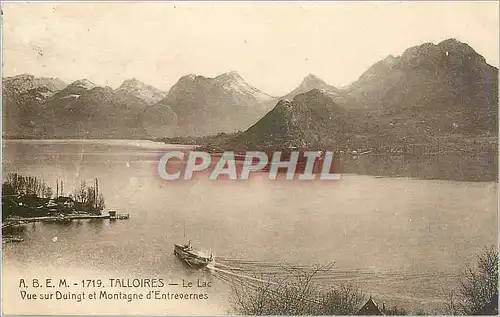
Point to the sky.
(271, 45)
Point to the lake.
(402, 240)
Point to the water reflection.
(479, 167)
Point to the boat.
(13, 224)
(58, 219)
(193, 257)
(63, 220)
(113, 215)
(49, 220)
(8, 239)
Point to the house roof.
(370, 308)
(62, 199)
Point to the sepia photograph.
(249, 158)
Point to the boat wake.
(253, 273)
(220, 271)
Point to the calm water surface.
(402, 240)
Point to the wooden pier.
(112, 215)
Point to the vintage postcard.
(250, 158)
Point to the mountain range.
(198, 105)
(428, 91)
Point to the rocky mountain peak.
(454, 44)
(307, 122)
(313, 93)
(312, 81)
(390, 60)
(132, 82)
(21, 77)
(82, 83)
(450, 50)
(141, 90)
(231, 76)
(189, 78)
(24, 82)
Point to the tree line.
(17, 184)
(30, 196)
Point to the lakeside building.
(370, 308)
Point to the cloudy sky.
(272, 45)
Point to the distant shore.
(454, 158)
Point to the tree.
(477, 292)
(47, 192)
(81, 194)
(27, 185)
(8, 201)
(345, 299)
(85, 196)
(397, 311)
